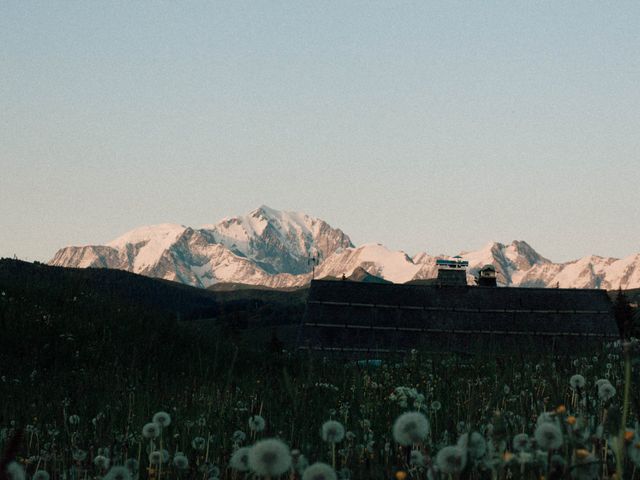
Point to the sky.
(425, 126)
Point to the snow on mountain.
(266, 247)
(374, 258)
(279, 241)
(272, 248)
(511, 261)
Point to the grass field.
(83, 375)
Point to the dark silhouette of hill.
(105, 288)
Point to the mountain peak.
(273, 248)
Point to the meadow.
(93, 386)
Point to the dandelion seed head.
(332, 431)
(240, 460)
(180, 461)
(257, 423)
(270, 457)
(606, 391)
(118, 473)
(521, 442)
(410, 428)
(162, 418)
(238, 436)
(40, 475)
(74, 420)
(319, 471)
(577, 382)
(101, 461)
(199, 443)
(548, 436)
(474, 443)
(151, 430)
(155, 457)
(451, 460)
(417, 458)
(15, 471)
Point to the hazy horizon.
(424, 127)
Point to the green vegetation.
(87, 357)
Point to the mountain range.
(279, 249)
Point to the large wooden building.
(345, 316)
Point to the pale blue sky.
(434, 126)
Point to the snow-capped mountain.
(272, 248)
(266, 247)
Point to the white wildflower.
(451, 460)
(240, 460)
(269, 458)
(548, 436)
(332, 431)
(257, 423)
(180, 461)
(319, 471)
(410, 428)
(162, 418)
(151, 430)
(118, 473)
(101, 461)
(577, 382)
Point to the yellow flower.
(507, 456)
(582, 453)
(571, 420)
(561, 409)
(401, 475)
(628, 435)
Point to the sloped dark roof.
(392, 317)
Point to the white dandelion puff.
(240, 459)
(601, 381)
(410, 428)
(151, 430)
(101, 461)
(257, 423)
(180, 461)
(162, 418)
(521, 442)
(417, 458)
(319, 471)
(238, 436)
(40, 475)
(199, 443)
(74, 420)
(548, 436)
(155, 457)
(474, 443)
(451, 460)
(606, 391)
(118, 473)
(332, 431)
(545, 417)
(15, 471)
(577, 382)
(269, 458)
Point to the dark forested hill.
(66, 322)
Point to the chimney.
(452, 273)
(487, 276)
